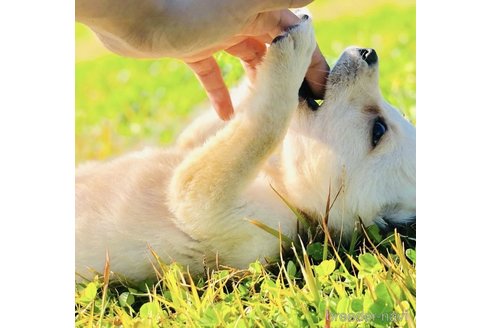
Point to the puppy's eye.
(378, 130)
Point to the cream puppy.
(192, 203)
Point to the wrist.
(127, 27)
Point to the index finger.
(208, 73)
(317, 74)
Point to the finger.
(263, 5)
(272, 23)
(317, 74)
(250, 51)
(208, 73)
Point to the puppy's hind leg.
(210, 181)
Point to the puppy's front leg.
(210, 181)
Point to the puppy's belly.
(121, 208)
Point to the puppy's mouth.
(350, 61)
(307, 95)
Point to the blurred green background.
(123, 104)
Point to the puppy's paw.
(290, 53)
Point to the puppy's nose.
(369, 55)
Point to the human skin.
(193, 30)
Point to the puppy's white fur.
(190, 203)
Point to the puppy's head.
(355, 147)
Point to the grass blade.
(299, 215)
(271, 231)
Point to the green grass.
(365, 285)
(123, 104)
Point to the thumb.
(265, 5)
(208, 73)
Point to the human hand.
(193, 30)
